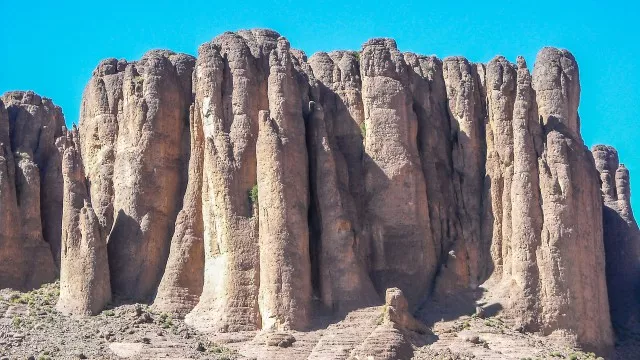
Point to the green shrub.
(16, 321)
(253, 194)
(363, 129)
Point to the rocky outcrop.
(464, 265)
(135, 115)
(85, 288)
(181, 285)
(572, 259)
(343, 280)
(228, 96)
(621, 239)
(31, 189)
(238, 188)
(283, 200)
(542, 217)
(396, 333)
(397, 214)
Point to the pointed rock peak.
(606, 158)
(521, 62)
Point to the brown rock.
(102, 104)
(11, 251)
(135, 115)
(228, 96)
(518, 253)
(464, 266)
(34, 124)
(621, 238)
(181, 285)
(403, 253)
(396, 310)
(85, 288)
(434, 146)
(344, 282)
(572, 210)
(283, 200)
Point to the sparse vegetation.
(166, 321)
(16, 321)
(253, 195)
(363, 130)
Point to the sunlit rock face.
(253, 188)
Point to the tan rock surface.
(227, 101)
(344, 282)
(621, 240)
(181, 285)
(11, 251)
(34, 123)
(85, 287)
(135, 114)
(403, 253)
(572, 256)
(464, 265)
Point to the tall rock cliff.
(396, 210)
(135, 116)
(85, 288)
(31, 189)
(255, 189)
(621, 239)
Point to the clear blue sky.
(51, 47)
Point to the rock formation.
(85, 288)
(344, 285)
(135, 115)
(182, 281)
(227, 101)
(392, 338)
(32, 189)
(621, 239)
(397, 214)
(255, 189)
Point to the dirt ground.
(31, 328)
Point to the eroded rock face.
(392, 338)
(32, 189)
(135, 115)
(397, 214)
(344, 282)
(239, 186)
(181, 285)
(85, 288)
(621, 238)
(571, 206)
(227, 102)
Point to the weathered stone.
(228, 97)
(135, 114)
(621, 239)
(283, 200)
(11, 251)
(571, 257)
(465, 265)
(434, 146)
(34, 124)
(85, 287)
(344, 282)
(403, 253)
(396, 310)
(181, 285)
